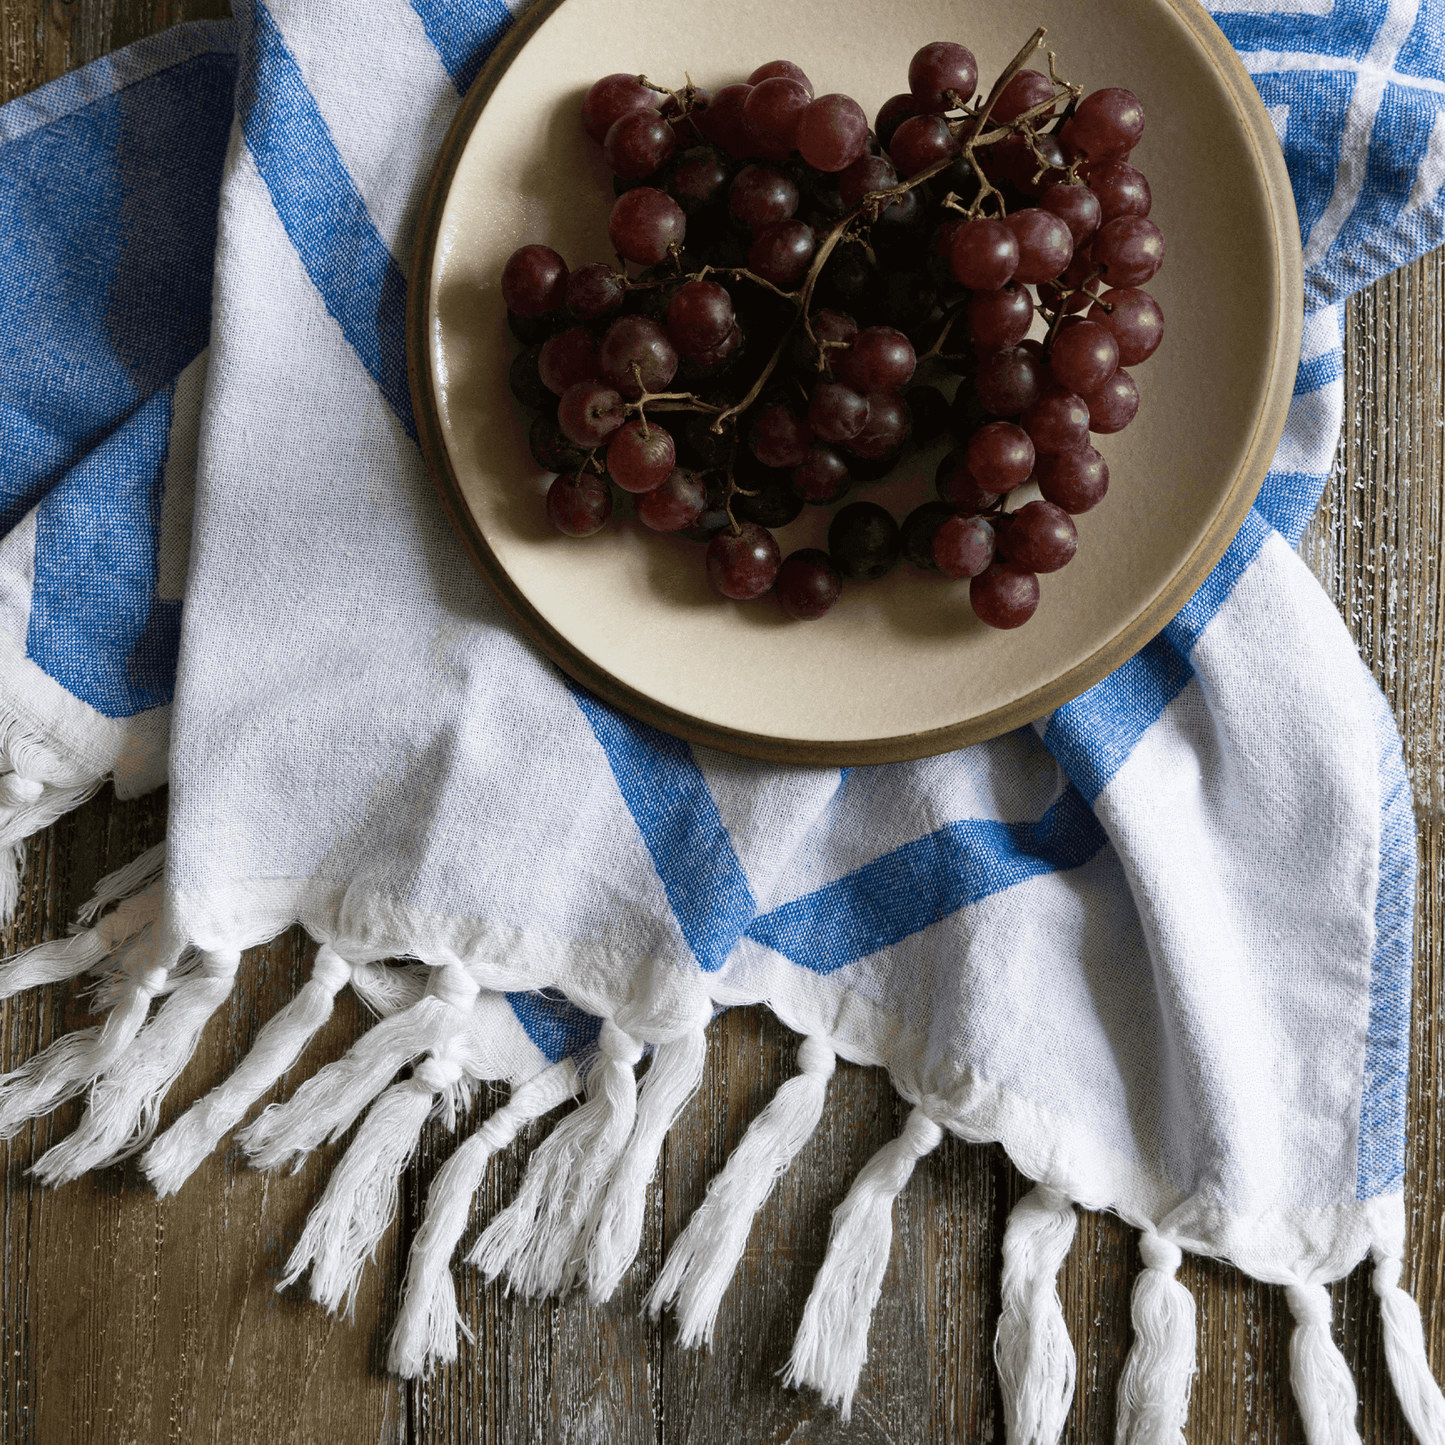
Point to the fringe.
(1324, 1389)
(125, 883)
(615, 1230)
(1159, 1373)
(176, 1155)
(1032, 1350)
(535, 1239)
(1409, 1366)
(832, 1340)
(705, 1256)
(428, 1322)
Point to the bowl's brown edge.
(1288, 327)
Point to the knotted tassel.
(615, 1231)
(1415, 1387)
(175, 1156)
(1323, 1387)
(536, 1238)
(1159, 1373)
(705, 1256)
(428, 1322)
(125, 1101)
(1032, 1350)
(329, 1102)
(832, 1341)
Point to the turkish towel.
(1158, 945)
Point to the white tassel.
(125, 883)
(536, 1238)
(12, 869)
(428, 1321)
(385, 989)
(125, 1101)
(614, 1233)
(705, 1256)
(1032, 1350)
(1324, 1389)
(329, 1102)
(1415, 1387)
(1159, 1373)
(176, 1155)
(832, 1341)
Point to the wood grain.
(125, 1318)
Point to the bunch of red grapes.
(787, 271)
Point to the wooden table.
(126, 1319)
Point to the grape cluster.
(799, 295)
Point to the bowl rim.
(1288, 330)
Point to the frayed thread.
(1420, 1400)
(1159, 1372)
(536, 1239)
(705, 1256)
(1032, 1350)
(1324, 1388)
(428, 1321)
(832, 1341)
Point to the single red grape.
(956, 485)
(782, 252)
(1000, 456)
(567, 358)
(781, 69)
(985, 254)
(759, 196)
(635, 341)
(880, 359)
(638, 144)
(743, 564)
(699, 316)
(1046, 245)
(865, 175)
(1057, 422)
(1085, 355)
(1004, 595)
(1131, 250)
(534, 281)
(808, 584)
(832, 133)
(589, 413)
(920, 142)
(886, 429)
(822, 477)
(579, 505)
(963, 546)
(640, 456)
(773, 108)
(1114, 405)
(863, 541)
(1136, 322)
(595, 289)
(939, 68)
(891, 114)
(836, 412)
(1122, 190)
(915, 535)
(1026, 90)
(1039, 536)
(725, 125)
(644, 223)
(1107, 124)
(1001, 318)
(698, 178)
(1076, 206)
(1075, 480)
(779, 437)
(675, 503)
(610, 99)
(1010, 381)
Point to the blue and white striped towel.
(1157, 945)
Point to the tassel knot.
(221, 964)
(1160, 1253)
(16, 790)
(451, 983)
(438, 1073)
(816, 1057)
(1409, 1365)
(618, 1046)
(1324, 1388)
(330, 972)
(152, 981)
(1310, 1304)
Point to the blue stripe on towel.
(557, 1027)
(464, 35)
(1345, 30)
(323, 212)
(924, 882)
(678, 818)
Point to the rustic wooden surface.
(125, 1319)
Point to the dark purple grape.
(1084, 356)
(962, 546)
(1075, 480)
(743, 564)
(921, 142)
(832, 133)
(640, 456)
(985, 254)
(771, 506)
(782, 252)
(1026, 90)
(589, 413)
(610, 99)
(1004, 595)
(700, 445)
(1107, 124)
(534, 281)
(1114, 405)
(863, 177)
(967, 413)
(836, 412)
(1131, 251)
(1122, 190)
(534, 330)
(915, 536)
(579, 505)
(938, 69)
(891, 114)
(1046, 245)
(956, 485)
(707, 364)
(759, 196)
(552, 449)
(774, 108)
(880, 359)
(698, 179)
(567, 358)
(595, 289)
(808, 584)
(779, 437)
(1000, 319)
(638, 144)
(928, 414)
(784, 70)
(822, 477)
(699, 317)
(1057, 422)
(1010, 381)
(863, 541)
(1136, 323)
(675, 504)
(724, 124)
(1076, 206)
(901, 226)
(634, 341)
(644, 224)
(885, 433)
(1000, 456)
(1039, 536)
(940, 249)
(526, 382)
